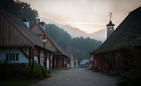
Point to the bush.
(37, 71)
(11, 71)
(129, 79)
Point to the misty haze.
(70, 42)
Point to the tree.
(20, 9)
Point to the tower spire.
(110, 26)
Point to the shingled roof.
(58, 50)
(125, 34)
(110, 23)
(24, 30)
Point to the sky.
(87, 15)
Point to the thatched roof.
(23, 30)
(125, 34)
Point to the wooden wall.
(10, 36)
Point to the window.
(17, 56)
(7, 57)
(12, 56)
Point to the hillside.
(99, 35)
(75, 32)
(81, 46)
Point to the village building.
(73, 60)
(87, 63)
(90, 62)
(59, 59)
(120, 52)
(18, 44)
(83, 63)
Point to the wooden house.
(117, 53)
(18, 44)
(59, 59)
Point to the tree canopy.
(19, 9)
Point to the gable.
(24, 37)
(38, 32)
(10, 36)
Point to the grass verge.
(19, 82)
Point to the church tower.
(110, 26)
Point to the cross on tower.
(110, 15)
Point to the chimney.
(26, 22)
(42, 24)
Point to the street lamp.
(44, 40)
